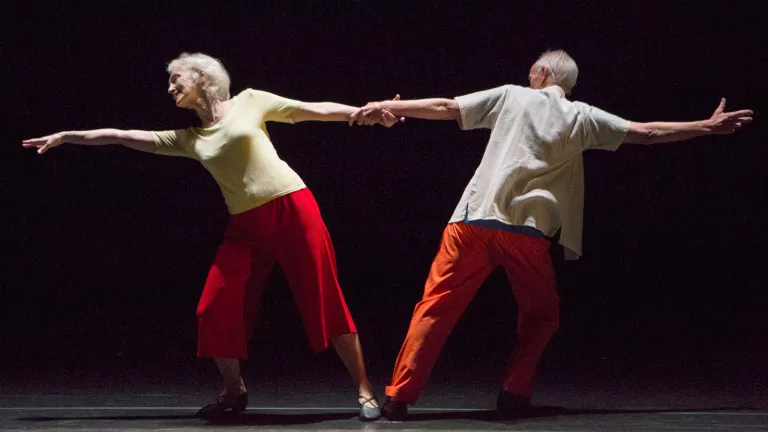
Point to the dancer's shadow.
(110, 417)
(256, 418)
(253, 418)
(553, 411)
(271, 419)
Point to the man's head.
(554, 68)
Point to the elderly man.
(526, 193)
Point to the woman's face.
(182, 86)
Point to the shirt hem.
(260, 203)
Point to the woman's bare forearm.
(128, 138)
(133, 139)
(323, 111)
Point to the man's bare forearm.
(430, 109)
(665, 132)
(720, 123)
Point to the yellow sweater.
(237, 150)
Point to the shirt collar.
(555, 89)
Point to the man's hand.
(374, 113)
(43, 144)
(724, 123)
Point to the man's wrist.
(704, 126)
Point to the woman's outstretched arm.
(331, 111)
(134, 139)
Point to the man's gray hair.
(562, 69)
(215, 79)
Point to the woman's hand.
(43, 144)
(375, 113)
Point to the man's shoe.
(394, 410)
(511, 405)
(223, 407)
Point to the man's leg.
(460, 267)
(532, 277)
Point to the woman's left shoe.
(368, 413)
(222, 407)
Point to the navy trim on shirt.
(501, 226)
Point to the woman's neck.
(211, 111)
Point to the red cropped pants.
(288, 231)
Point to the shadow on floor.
(262, 419)
(248, 418)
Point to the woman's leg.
(308, 260)
(233, 379)
(228, 306)
(351, 353)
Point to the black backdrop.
(107, 249)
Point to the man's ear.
(544, 73)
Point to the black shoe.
(369, 413)
(394, 410)
(222, 407)
(510, 405)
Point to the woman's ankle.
(233, 391)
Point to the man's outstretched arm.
(430, 109)
(721, 123)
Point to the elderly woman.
(274, 218)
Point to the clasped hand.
(375, 113)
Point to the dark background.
(107, 249)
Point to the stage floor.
(166, 398)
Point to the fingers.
(739, 120)
(364, 120)
(375, 113)
(43, 144)
(721, 107)
(355, 116)
(740, 113)
(363, 117)
(389, 119)
(34, 142)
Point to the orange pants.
(466, 257)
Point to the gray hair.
(562, 69)
(215, 79)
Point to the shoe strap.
(366, 400)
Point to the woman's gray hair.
(215, 79)
(562, 69)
